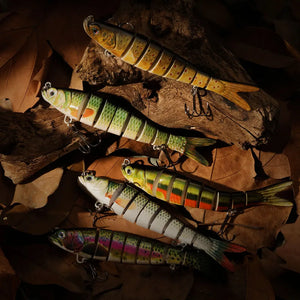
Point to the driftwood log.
(30, 141)
(174, 25)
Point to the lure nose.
(87, 21)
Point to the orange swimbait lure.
(149, 56)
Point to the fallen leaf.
(290, 250)
(46, 264)
(258, 286)
(216, 12)
(42, 220)
(35, 194)
(261, 46)
(26, 33)
(146, 282)
(289, 30)
(9, 281)
(275, 165)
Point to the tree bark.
(174, 25)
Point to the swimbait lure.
(122, 247)
(177, 189)
(138, 207)
(107, 115)
(149, 56)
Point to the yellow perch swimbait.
(149, 56)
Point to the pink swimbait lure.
(122, 247)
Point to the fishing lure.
(138, 207)
(122, 247)
(177, 189)
(149, 56)
(107, 115)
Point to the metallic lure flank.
(180, 190)
(107, 115)
(122, 247)
(149, 56)
(138, 207)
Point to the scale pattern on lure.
(177, 189)
(138, 207)
(149, 56)
(122, 247)
(107, 115)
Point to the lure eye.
(128, 171)
(95, 30)
(52, 92)
(89, 178)
(61, 234)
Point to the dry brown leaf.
(42, 220)
(35, 194)
(216, 12)
(258, 286)
(9, 281)
(275, 165)
(289, 30)
(290, 250)
(270, 9)
(46, 264)
(24, 34)
(153, 283)
(261, 46)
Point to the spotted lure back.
(138, 207)
(180, 190)
(122, 247)
(149, 56)
(108, 115)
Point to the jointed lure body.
(177, 189)
(122, 247)
(138, 207)
(149, 56)
(107, 115)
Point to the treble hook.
(163, 148)
(195, 113)
(230, 215)
(84, 145)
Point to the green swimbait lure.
(138, 207)
(149, 56)
(177, 189)
(122, 247)
(107, 115)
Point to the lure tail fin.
(230, 90)
(216, 251)
(268, 195)
(190, 148)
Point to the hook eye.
(89, 172)
(126, 162)
(47, 86)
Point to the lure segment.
(177, 189)
(138, 207)
(149, 56)
(122, 247)
(107, 115)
